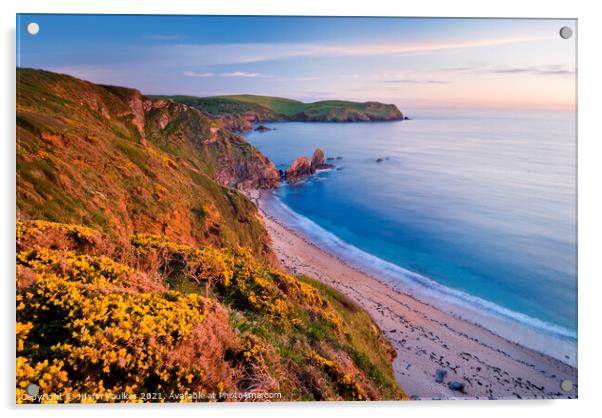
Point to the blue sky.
(412, 62)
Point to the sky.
(412, 62)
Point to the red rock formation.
(317, 159)
(303, 166)
(299, 169)
(239, 165)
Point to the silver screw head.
(566, 32)
(32, 389)
(33, 28)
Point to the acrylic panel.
(288, 208)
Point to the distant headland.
(240, 112)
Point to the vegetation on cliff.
(110, 158)
(155, 316)
(251, 108)
(142, 269)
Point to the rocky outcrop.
(263, 128)
(318, 160)
(303, 167)
(298, 170)
(241, 166)
(242, 122)
(237, 163)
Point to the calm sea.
(476, 208)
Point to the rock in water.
(303, 166)
(457, 386)
(263, 128)
(440, 375)
(318, 160)
(299, 169)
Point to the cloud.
(539, 71)
(293, 78)
(412, 81)
(238, 53)
(197, 74)
(238, 74)
(406, 77)
(228, 74)
(545, 70)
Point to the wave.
(542, 336)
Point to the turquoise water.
(480, 204)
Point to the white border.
(590, 208)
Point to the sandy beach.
(427, 339)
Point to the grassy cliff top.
(111, 158)
(141, 268)
(278, 108)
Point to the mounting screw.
(33, 28)
(566, 32)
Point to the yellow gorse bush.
(79, 332)
(240, 278)
(236, 274)
(78, 232)
(150, 241)
(347, 387)
(251, 351)
(84, 328)
(84, 268)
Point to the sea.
(473, 211)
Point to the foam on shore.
(541, 336)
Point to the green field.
(270, 108)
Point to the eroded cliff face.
(240, 166)
(239, 123)
(112, 158)
(235, 162)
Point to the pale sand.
(427, 339)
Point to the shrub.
(79, 332)
(347, 387)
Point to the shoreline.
(426, 339)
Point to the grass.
(362, 335)
(276, 108)
(278, 105)
(99, 170)
(205, 318)
(181, 240)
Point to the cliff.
(151, 315)
(239, 112)
(142, 269)
(111, 158)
